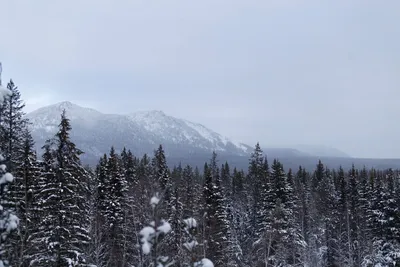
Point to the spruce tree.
(208, 211)
(189, 200)
(63, 236)
(328, 201)
(163, 181)
(257, 183)
(13, 126)
(8, 220)
(220, 231)
(115, 213)
(285, 241)
(98, 229)
(26, 189)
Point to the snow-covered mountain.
(142, 132)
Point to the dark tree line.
(72, 215)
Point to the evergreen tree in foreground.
(8, 220)
(13, 126)
(63, 236)
(26, 189)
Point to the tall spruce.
(63, 235)
(115, 213)
(8, 220)
(98, 229)
(163, 181)
(13, 126)
(26, 189)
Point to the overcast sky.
(281, 72)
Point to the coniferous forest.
(133, 210)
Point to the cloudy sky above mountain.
(281, 72)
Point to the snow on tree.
(26, 189)
(63, 235)
(163, 179)
(13, 126)
(158, 229)
(116, 198)
(97, 247)
(384, 222)
(153, 234)
(8, 220)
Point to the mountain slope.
(142, 132)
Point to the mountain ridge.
(141, 132)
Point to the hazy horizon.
(278, 72)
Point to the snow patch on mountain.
(179, 130)
(140, 131)
(49, 117)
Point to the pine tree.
(342, 233)
(13, 125)
(26, 189)
(142, 210)
(63, 235)
(129, 166)
(257, 181)
(176, 238)
(115, 213)
(47, 204)
(189, 200)
(355, 219)
(8, 220)
(220, 231)
(226, 179)
(304, 212)
(97, 248)
(208, 211)
(164, 181)
(283, 234)
(328, 201)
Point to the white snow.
(7, 178)
(190, 223)
(203, 131)
(190, 245)
(204, 263)
(13, 222)
(147, 234)
(165, 227)
(154, 201)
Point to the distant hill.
(142, 132)
(184, 141)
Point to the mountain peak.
(65, 105)
(141, 131)
(149, 114)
